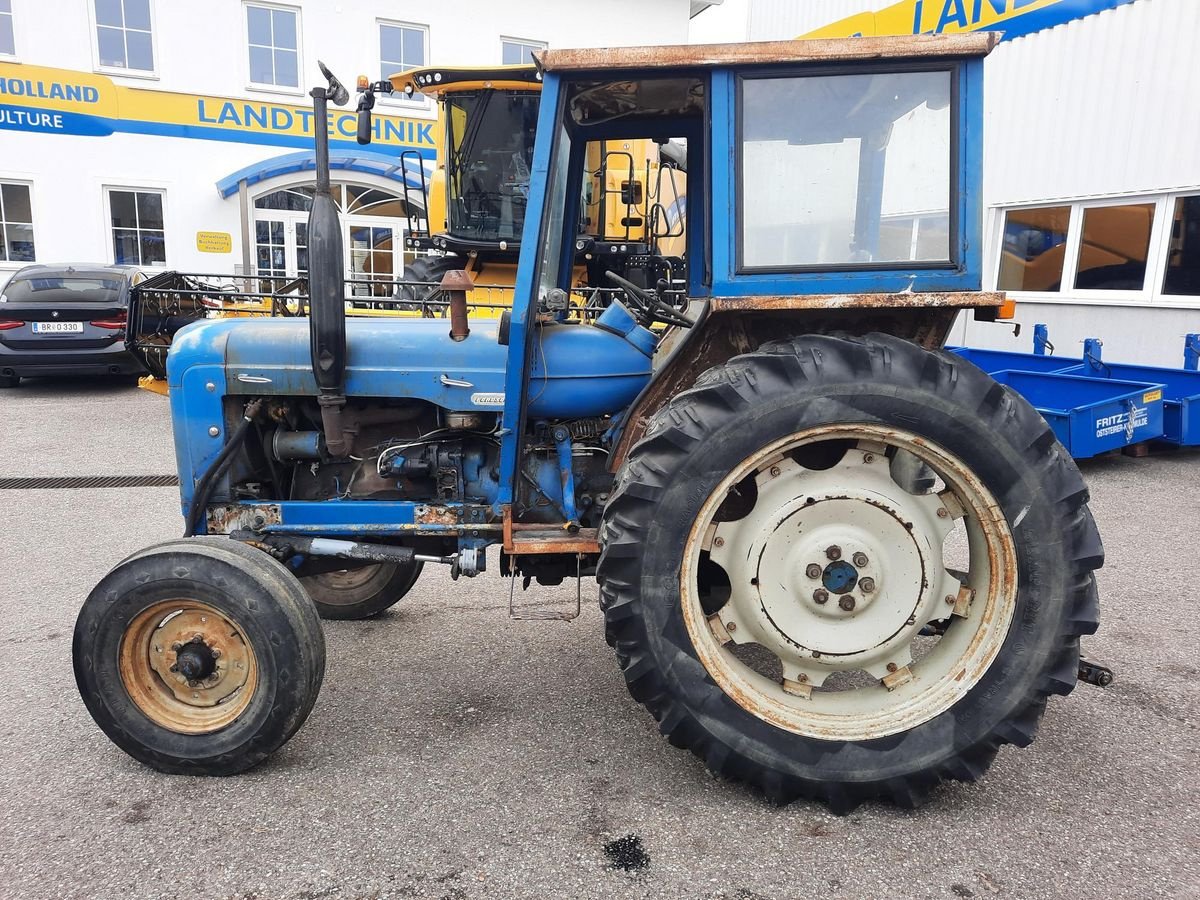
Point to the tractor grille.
(87, 481)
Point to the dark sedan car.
(66, 320)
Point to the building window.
(138, 234)
(516, 52)
(801, 176)
(273, 37)
(8, 41)
(123, 35)
(16, 223)
(1033, 248)
(1183, 252)
(1113, 247)
(401, 47)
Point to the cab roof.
(691, 56)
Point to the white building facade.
(171, 134)
(1091, 174)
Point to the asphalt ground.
(456, 753)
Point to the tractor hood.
(578, 370)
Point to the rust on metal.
(922, 46)
(507, 524)
(457, 284)
(957, 299)
(226, 518)
(552, 539)
(427, 514)
(717, 337)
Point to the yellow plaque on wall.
(214, 242)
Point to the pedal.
(1094, 673)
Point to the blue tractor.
(834, 560)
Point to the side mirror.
(366, 102)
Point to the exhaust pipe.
(326, 299)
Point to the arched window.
(373, 223)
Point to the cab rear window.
(59, 289)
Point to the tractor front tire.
(362, 592)
(781, 592)
(199, 656)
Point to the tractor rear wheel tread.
(816, 365)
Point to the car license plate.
(57, 327)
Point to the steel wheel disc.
(187, 666)
(834, 573)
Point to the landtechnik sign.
(62, 101)
(1014, 17)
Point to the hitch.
(1094, 673)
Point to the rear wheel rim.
(187, 666)
(833, 571)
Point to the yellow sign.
(1151, 396)
(214, 242)
(35, 98)
(1014, 17)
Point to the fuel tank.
(578, 370)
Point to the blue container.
(1000, 360)
(1181, 395)
(1091, 415)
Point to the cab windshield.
(491, 147)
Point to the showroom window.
(124, 36)
(1033, 248)
(1113, 247)
(516, 52)
(16, 223)
(273, 37)
(8, 41)
(401, 47)
(1182, 277)
(138, 234)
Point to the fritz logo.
(1126, 422)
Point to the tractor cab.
(834, 560)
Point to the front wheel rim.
(812, 606)
(187, 666)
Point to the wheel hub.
(833, 570)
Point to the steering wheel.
(647, 306)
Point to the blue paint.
(1191, 351)
(375, 162)
(1041, 339)
(964, 274)
(562, 444)
(1091, 415)
(520, 347)
(44, 121)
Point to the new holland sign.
(1014, 17)
(61, 101)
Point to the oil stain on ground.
(627, 853)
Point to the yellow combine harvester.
(468, 214)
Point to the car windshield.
(59, 288)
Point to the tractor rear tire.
(363, 592)
(797, 442)
(199, 656)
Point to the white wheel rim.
(881, 551)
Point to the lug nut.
(860, 559)
(813, 571)
(951, 600)
(177, 646)
(943, 513)
(891, 667)
(731, 627)
(867, 585)
(821, 595)
(775, 470)
(719, 542)
(834, 552)
(216, 653)
(846, 603)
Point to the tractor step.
(1094, 673)
(552, 539)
